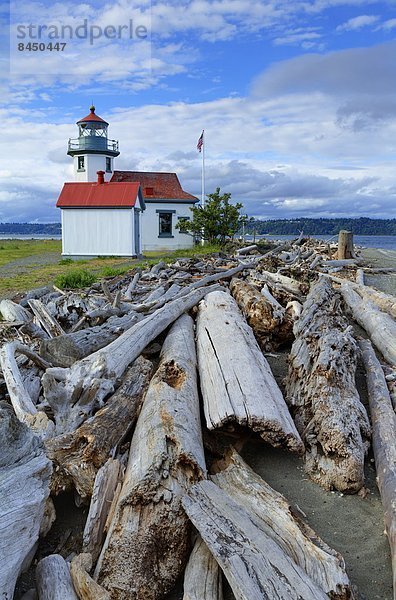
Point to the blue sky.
(297, 99)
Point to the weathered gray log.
(11, 311)
(223, 274)
(147, 544)
(78, 455)
(316, 261)
(65, 350)
(274, 516)
(345, 244)
(269, 321)
(246, 249)
(34, 331)
(131, 287)
(322, 393)
(107, 292)
(24, 474)
(202, 577)
(21, 401)
(106, 481)
(74, 393)
(346, 262)
(380, 326)
(36, 293)
(236, 381)
(383, 421)
(278, 283)
(360, 277)
(384, 302)
(53, 579)
(46, 320)
(84, 585)
(117, 299)
(254, 565)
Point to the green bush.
(66, 261)
(75, 279)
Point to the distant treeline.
(31, 228)
(361, 226)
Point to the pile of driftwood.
(102, 393)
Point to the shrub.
(66, 261)
(75, 279)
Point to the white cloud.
(298, 38)
(307, 114)
(388, 25)
(359, 22)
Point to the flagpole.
(203, 170)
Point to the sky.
(297, 99)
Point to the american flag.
(200, 142)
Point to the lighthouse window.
(165, 223)
(80, 163)
(108, 164)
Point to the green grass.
(15, 249)
(114, 271)
(50, 266)
(75, 279)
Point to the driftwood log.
(11, 311)
(322, 393)
(21, 400)
(384, 302)
(279, 284)
(276, 519)
(65, 350)
(380, 326)
(84, 585)
(202, 577)
(53, 579)
(271, 325)
(147, 544)
(78, 455)
(383, 421)
(254, 565)
(345, 245)
(76, 392)
(24, 474)
(105, 488)
(236, 381)
(46, 320)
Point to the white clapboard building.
(118, 213)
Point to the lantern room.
(92, 150)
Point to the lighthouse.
(92, 151)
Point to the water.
(385, 242)
(31, 236)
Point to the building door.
(136, 221)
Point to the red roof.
(156, 186)
(105, 195)
(92, 117)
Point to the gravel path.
(29, 263)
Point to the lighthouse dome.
(92, 118)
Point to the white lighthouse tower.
(92, 151)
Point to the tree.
(217, 220)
